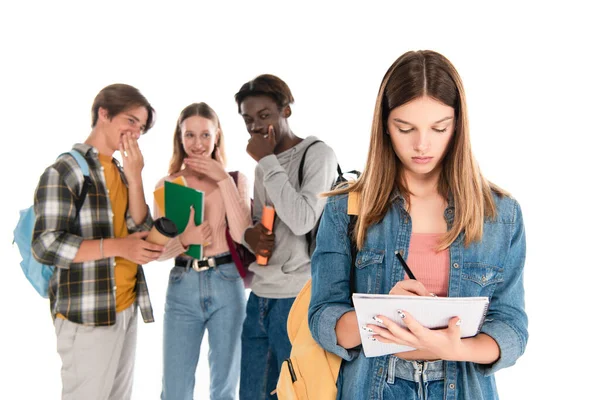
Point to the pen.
(405, 266)
(408, 271)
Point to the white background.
(531, 77)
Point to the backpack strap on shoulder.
(87, 181)
(85, 169)
(234, 175)
(301, 169)
(353, 214)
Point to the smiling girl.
(206, 294)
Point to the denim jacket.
(492, 267)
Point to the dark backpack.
(311, 236)
(242, 257)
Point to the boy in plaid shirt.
(98, 281)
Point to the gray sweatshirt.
(297, 212)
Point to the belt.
(204, 263)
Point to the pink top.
(431, 268)
(221, 202)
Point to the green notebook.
(178, 200)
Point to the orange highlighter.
(268, 216)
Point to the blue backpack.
(39, 274)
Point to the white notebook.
(431, 312)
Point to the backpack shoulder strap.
(353, 250)
(85, 169)
(301, 169)
(353, 214)
(234, 175)
(87, 181)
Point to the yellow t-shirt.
(125, 270)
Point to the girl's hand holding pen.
(410, 287)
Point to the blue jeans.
(265, 345)
(414, 380)
(212, 300)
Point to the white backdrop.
(530, 72)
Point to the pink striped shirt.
(431, 268)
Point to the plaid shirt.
(83, 292)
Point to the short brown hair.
(118, 98)
(266, 85)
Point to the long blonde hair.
(413, 75)
(199, 110)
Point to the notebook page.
(431, 312)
